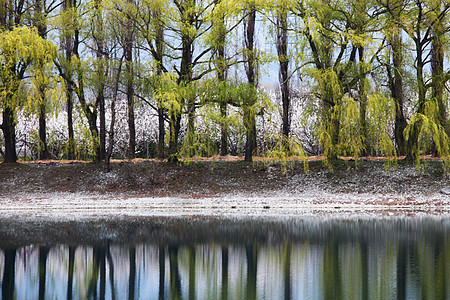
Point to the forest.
(176, 79)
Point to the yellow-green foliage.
(350, 138)
(346, 115)
(86, 143)
(216, 92)
(328, 84)
(23, 47)
(201, 142)
(285, 151)
(210, 94)
(167, 92)
(253, 101)
(329, 91)
(430, 132)
(326, 143)
(46, 88)
(379, 120)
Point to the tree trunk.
(191, 126)
(413, 139)
(108, 153)
(92, 120)
(9, 133)
(131, 119)
(223, 128)
(70, 42)
(249, 123)
(331, 120)
(283, 59)
(250, 62)
(363, 102)
(186, 68)
(43, 148)
(128, 49)
(161, 133)
(71, 140)
(437, 70)
(221, 74)
(91, 115)
(187, 13)
(102, 72)
(159, 43)
(40, 23)
(10, 17)
(174, 131)
(396, 86)
(101, 110)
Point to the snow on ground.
(76, 206)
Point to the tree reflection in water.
(224, 259)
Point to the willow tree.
(150, 26)
(185, 22)
(189, 23)
(219, 36)
(187, 42)
(395, 70)
(126, 14)
(84, 72)
(191, 26)
(40, 22)
(420, 20)
(69, 40)
(251, 70)
(332, 37)
(42, 9)
(99, 37)
(439, 41)
(282, 34)
(22, 52)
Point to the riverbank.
(146, 188)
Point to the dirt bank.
(227, 185)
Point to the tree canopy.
(355, 78)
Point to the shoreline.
(233, 188)
(79, 206)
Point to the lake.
(200, 257)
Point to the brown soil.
(223, 176)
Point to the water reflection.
(232, 259)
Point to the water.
(220, 258)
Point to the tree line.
(375, 70)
